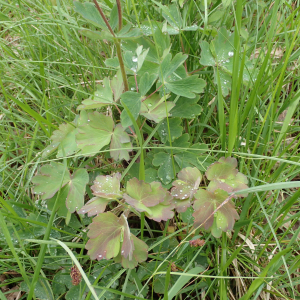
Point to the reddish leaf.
(107, 187)
(105, 233)
(185, 187)
(95, 206)
(224, 175)
(140, 254)
(207, 203)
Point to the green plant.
(160, 86)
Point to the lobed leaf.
(156, 109)
(105, 233)
(133, 101)
(54, 176)
(224, 175)
(139, 254)
(186, 108)
(185, 187)
(102, 96)
(95, 206)
(107, 187)
(94, 132)
(205, 205)
(120, 141)
(142, 195)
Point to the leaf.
(94, 132)
(134, 60)
(156, 109)
(171, 14)
(51, 178)
(175, 129)
(139, 254)
(206, 203)
(95, 206)
(133, 101)
(142, 195)
(102, 96)
(186, 87)
(55, 176)
(117, 85)
(169, 65)
(107, 187)
(64, 140)
(165, 171)
(89, 12)
(146, 82)
(186, 108)
(186, 186)
(162, 211)
(77, 184)
(224, 175)
(105, 233)
(120, 144)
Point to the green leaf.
(94, 132)
(105, 233)
(117, 85)
(95, 206)
(186, 87)
(142, 195)
(169, 66)
(77, 184)
(146, 82)
(107, 187)
(186, 108)
(206, 203)
(175, 129)
(171, 14)
(139, 254)
(134, 60)
(102, 96)
(120, 144)
(224, 175)
(89, 12)
(64, 140)
(156, 109)
(51, 178)
(165, 171)
(133, 102)
(185, 187)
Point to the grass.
(47, 68)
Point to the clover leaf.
(106, 233)
(94, 132)
(214, 211)
(224, 175)
(54, 176)
(185, 187)
(156, 109)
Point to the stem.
(120, 14)
(122, 67)
(104, 18)
(117, 41)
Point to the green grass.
(47, 68)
